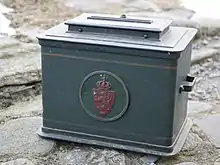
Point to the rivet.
(80, 30)
(123, 16)
(145, 36)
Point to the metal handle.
(123, 18)
(188, 85)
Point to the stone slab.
(182, 12)
(19, 137)
(165, 15)
(6, 42)
(21, 161)
(98, 5)
(186, 163)
(95, 5)
(217, 162)
(75, 157)
(192, 141)
(215, 44)
(196, 107)
(208, 26)
(202, 54)
(167, 4)
(174, 14)
(20, 69)
(149, 159)
(29, 34)
(19, 50)
(210, 126)
(82, 156)
(209, 22)
(23, 108)
(140, 6)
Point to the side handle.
(188, 85)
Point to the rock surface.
(149, 159)
(87, 157)
(127, 5)
(19, 62)
(140, 5)
(18, 162)
(209, 26)
(95, 5)
(22, 109)
(6, 42)
(20, 73)
(197, 107)
(192, 141)
(187, 163)
(75, 157)
(20, 67)
(202, 54)
(208, 85)
(19, 137)
(175, 14)
(217, 162)
(210, 125)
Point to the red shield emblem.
(103, 97)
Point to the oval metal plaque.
(104, 96)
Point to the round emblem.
(104, 96)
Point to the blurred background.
(46, 13)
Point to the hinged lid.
(120, 25)
(122, 31)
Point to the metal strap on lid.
(121, 19)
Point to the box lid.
(120, 25)
(122, 31)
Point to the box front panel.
(133, 99)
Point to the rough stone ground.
(20, 89)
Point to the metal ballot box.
(117, 81)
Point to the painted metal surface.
(113, 94)
(110, 102)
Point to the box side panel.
(150, 84)
(181, 99)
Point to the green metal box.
(117, 81)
